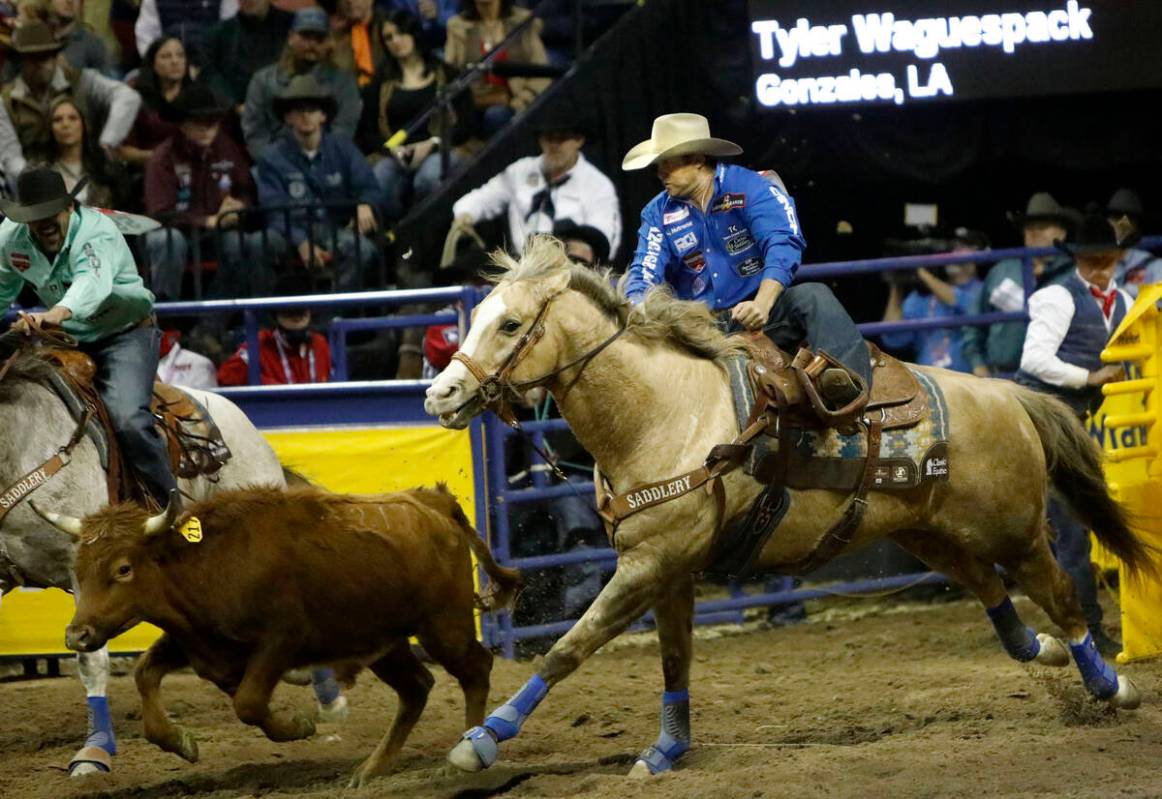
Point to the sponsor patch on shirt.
(728, 202)
(686, 241)
(695, 261)
(675, 216)
(20, 261)
(751, 266)
(679, 228)
(738, 241)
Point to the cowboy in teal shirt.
(82, 270)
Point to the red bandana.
(1108, 298)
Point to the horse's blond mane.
(658, 318)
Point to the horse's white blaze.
(456, 374)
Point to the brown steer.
(279, 579)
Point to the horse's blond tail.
(1074, 463)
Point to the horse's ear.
(557, 281)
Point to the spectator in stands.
(558, 184)
(954, 294)
(995, 350)
(188, 20)
(197, 181)
(432, 14)
(42, 79)
(305, 54)
(308, 167)
(238, 47)
(81, 46)
(584, 244)
(97, 16)
(75, 155)
(159, 81)
(1135, 267)
(407, 83)
(181, 367)
(1070, 323)
(290, 352)
(476, 31)
(357, 45)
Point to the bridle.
(497, 390)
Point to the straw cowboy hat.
(42, 194)
(674, 135)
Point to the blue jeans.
(245, 265)
(809, 313)
(1072, 547)
(402, 187)
(126, 368)
(494, 118)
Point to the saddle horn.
(66, 524)
(164, 520)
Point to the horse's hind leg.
(979, 576)
(96, 756)
(1046, 584)
(674, 614)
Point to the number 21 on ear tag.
(191, 530)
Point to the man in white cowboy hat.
(82, 270)
(730, 237)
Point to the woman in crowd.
(406, 84)
(163, 75)
(480, 27)
(75, 155)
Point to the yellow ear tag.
(191, 530)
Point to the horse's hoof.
(187, 747)
(1128, 696)
(1052, 652)
(475, 752)
(640, 771)
(90, 760)
(333, 712)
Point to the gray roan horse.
(645, 391)
(35, 424)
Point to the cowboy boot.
(835, 394)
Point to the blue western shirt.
(750, 233)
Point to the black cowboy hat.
(35, 37)
(196, 101)
(1125, 202)
(305, 90)
(562, 118)
(1043, 207)
(566, 229)
(1094, 234)
(41, 193)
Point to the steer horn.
(66, 524)
(164, 520)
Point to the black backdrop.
(976, 160)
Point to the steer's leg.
(634, 587)
(675, 620)
(412, 681)
(450, 639)
(252, 698)
(164, 656)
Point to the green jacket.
(94, 275)
(998, 346)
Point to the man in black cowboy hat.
(1135, 267)
(309, 167)
(1069, 325)
(584, 244)
(83, 272)
(199, 181)
(43, 78)
(536, 191)
(995, 351)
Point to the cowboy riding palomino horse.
(646, 391)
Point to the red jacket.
(277, 358)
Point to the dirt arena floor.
(865, 700)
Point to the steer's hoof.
(333, 712)
(1128, 696)
(1052, 653)
(640, 771)
(187, 746)
(475, 752)
(90, 760)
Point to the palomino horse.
(33, 553)
(646, 394)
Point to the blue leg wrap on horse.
(1019, 641)
(100, 725)
(674, 739)
(505, 722)
(325, 685)
(1099, 677)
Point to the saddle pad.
(829, 460)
